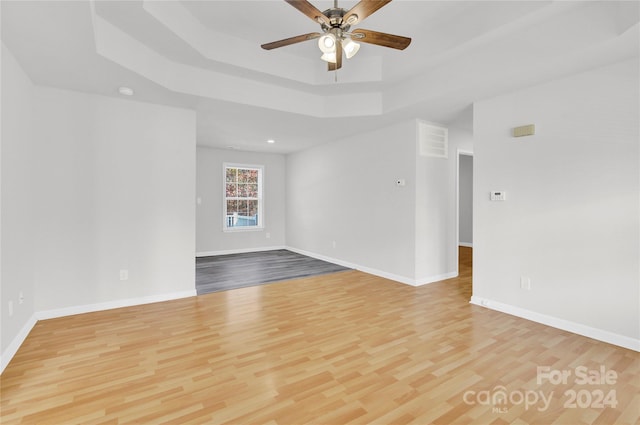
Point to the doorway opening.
(464, 192)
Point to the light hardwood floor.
(332, 349)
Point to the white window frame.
(261, 221)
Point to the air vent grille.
(433, 141)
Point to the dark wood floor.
(224, 272)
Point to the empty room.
(320, 212)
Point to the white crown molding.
(118, 46)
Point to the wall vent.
(433, 141)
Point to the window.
(243, 197)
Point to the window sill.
(243, 229)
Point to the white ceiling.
(206, 55)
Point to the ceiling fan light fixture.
(327, 43)
(350, 47)
(335, 24)
(329, 57)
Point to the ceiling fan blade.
(291, 40)
(381, 39)
(310, 10)
(363, 9)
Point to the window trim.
(261, 219)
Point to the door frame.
(459, 153)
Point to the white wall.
(90, 186)
(114, 190)
(210, 239)
(571, 219)
(16, 189)
(436, 248)
(466, 200)
(344, 191)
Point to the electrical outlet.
(333, 244)
(525, 283)
(498, 195)
(268, 235)
(21, 298)
(124, 274)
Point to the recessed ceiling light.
(271, 141)
(125, 91)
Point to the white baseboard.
(238, 251)
(375, 272)
(436, 278)
(565, 325)
(465, 244)
(90, 308)
(386, 275)
(15, 344)
(354, 266)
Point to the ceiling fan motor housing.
(335, 16)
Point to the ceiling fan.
(335, 37)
